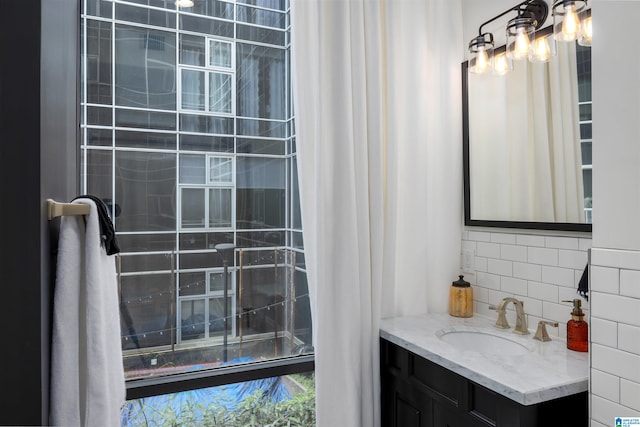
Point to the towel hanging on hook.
(107, 230)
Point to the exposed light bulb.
(522, 44)
(482, 60)
(570, 23)
(501, 65)
(541, 50)
(586, 35)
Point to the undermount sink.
(482, 342)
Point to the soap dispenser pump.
(577, 329)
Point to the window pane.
(145, 184)
(138, 139)
(145, 68)
(219, 54)
(261, 17)
(260, 77)
(217, 316)
(145, 119)
(99, 173)
(219, 207)
(146, 16)
(192, 169)
(192, 50)
(215, 8)
(220, 170)
(146, 315)
(192, 319)
(220, 93)
(193, 90)
(213, 27)
(193, 283)
(192, 208)
(208, 143)
(160, 144)
(206, 124)
(147, 242)
(100, 137)
(98, 72)
(274, 401)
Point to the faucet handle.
(541, 332)
(502, 318)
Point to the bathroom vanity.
(438, 370)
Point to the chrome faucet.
(521, 316)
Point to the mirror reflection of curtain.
(529, 165)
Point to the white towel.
(87, 375)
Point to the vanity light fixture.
(520, 31)
(571, 21)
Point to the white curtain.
(377, 101)
(526, 161)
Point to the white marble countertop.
(547, 370)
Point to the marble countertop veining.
(548, 370)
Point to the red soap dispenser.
(577, 329)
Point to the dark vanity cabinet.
(419, 393)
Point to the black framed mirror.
(526, 149)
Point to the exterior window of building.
(187, 135)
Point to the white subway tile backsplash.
(532, 307)
(514, 286)
(616, 308)
(629, 338)
(542, 291)
(480, 294)
(503, 238)
(562, 242)
(616, 258)
(604, 332)
(630, 283)
(604, 279)
(513, 253)
(558, 312)
(481, 263)
(489, 250)
(572, 259)
(500, 267)
(630, 393)
(615, 362)
(605, 385)
(480, 236)
(543, 256)
(523, 270)
(558, 276)
(530, 240)
(491, 281)
(605, 411)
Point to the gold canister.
(461, 298)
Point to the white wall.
(515, 262)
(615, 258)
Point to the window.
(187, 134)
(584, 95)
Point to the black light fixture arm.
(538, 9)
